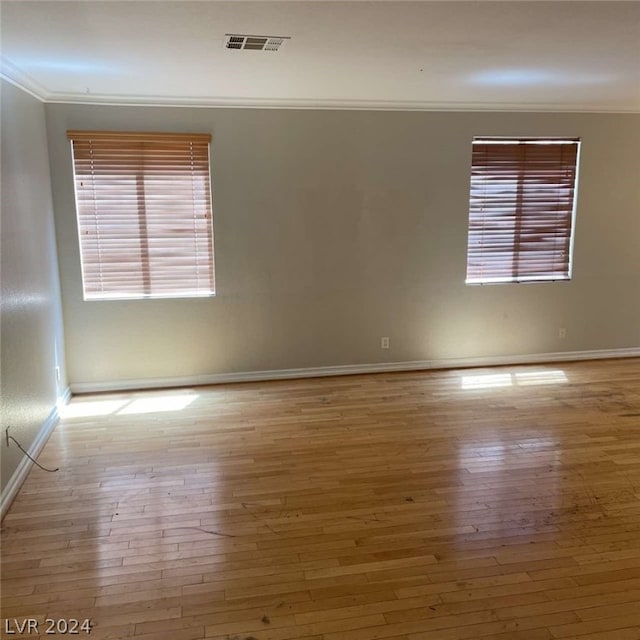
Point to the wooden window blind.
(521, 210)
(144, 214)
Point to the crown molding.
(12, 74)
(321, 104)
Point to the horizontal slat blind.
(144, 214)
(521, 210)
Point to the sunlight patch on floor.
(528, 378)
(158, 404)
(127, 406)
(541, 377)
(87, 409)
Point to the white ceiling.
(556, 55)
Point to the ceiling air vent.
(256, 43)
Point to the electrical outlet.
(384, 343)
(562, 333)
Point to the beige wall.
(31, 342)
(334, 228)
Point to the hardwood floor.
(487, 504)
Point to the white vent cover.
(255, 43)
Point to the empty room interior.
(320, 320)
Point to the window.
(521, 210)
(144, 214)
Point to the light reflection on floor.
(528, 378)
(158, 404)
(492, 464)
(128, 406)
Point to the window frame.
(145, 193)
(518, 278)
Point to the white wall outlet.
(384, 343)
(562, 333)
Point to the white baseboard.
(342, 370)
(64, 398)
(22, 470)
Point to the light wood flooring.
(486, 504)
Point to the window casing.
(144, 213)
(521, 210)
